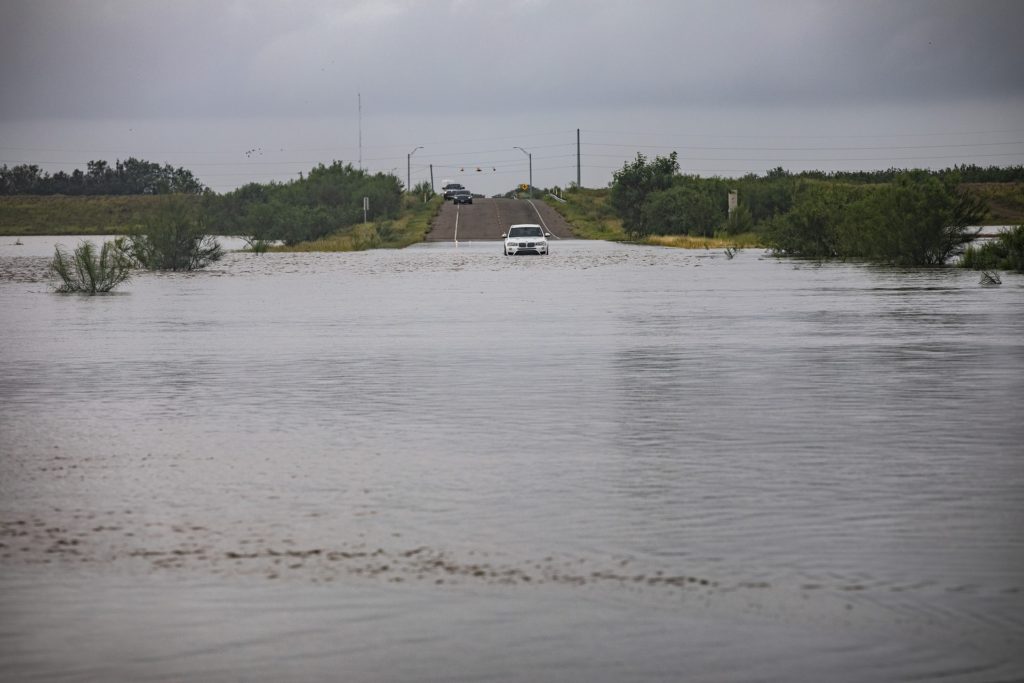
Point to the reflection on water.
(613, 463)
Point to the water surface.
(613, 463)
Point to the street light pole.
(408, 169)
(530, 157)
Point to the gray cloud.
(188, 58)
(182, 81)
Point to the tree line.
(964, 173)
(128, 177)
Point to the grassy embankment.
(588, 211)
(24, 215)
(409, 228)
(592, 217)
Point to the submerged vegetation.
(1004, 252)
(174, 238)
(89, 272)
(916, 218)
(900, 217)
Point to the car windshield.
(528, 231)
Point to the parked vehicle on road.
(526, 238)
(462, 197)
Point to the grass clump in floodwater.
(1005, 252)
(699, 242)
(89, 272)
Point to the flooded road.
(615, 463)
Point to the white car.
(526, 238)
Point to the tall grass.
(743, 240)
(86, 271)
(590, 214)
(89, 215)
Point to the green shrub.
(326, 200)
(634, 183)
(174, 238)
(423, 189)
(811, 227)
(740, 221)
(86, 271)
(683, 209)
(917, 220)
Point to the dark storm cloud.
(131, 58)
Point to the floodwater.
(614, 463)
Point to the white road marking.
(541, 219)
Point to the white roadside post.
(366, 207)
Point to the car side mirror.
(504, 235)
(547, 234)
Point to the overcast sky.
(239, 91)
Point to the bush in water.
(86, 271)
(175, 238)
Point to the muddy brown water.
(615, 463)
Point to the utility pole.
(360, 96)
(431, 177)
(530, 157)
(578, 183)
(408, 169)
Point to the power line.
(809, 149)
(1015, 131)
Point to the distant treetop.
(131, 176)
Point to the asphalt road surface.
(487, 219)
